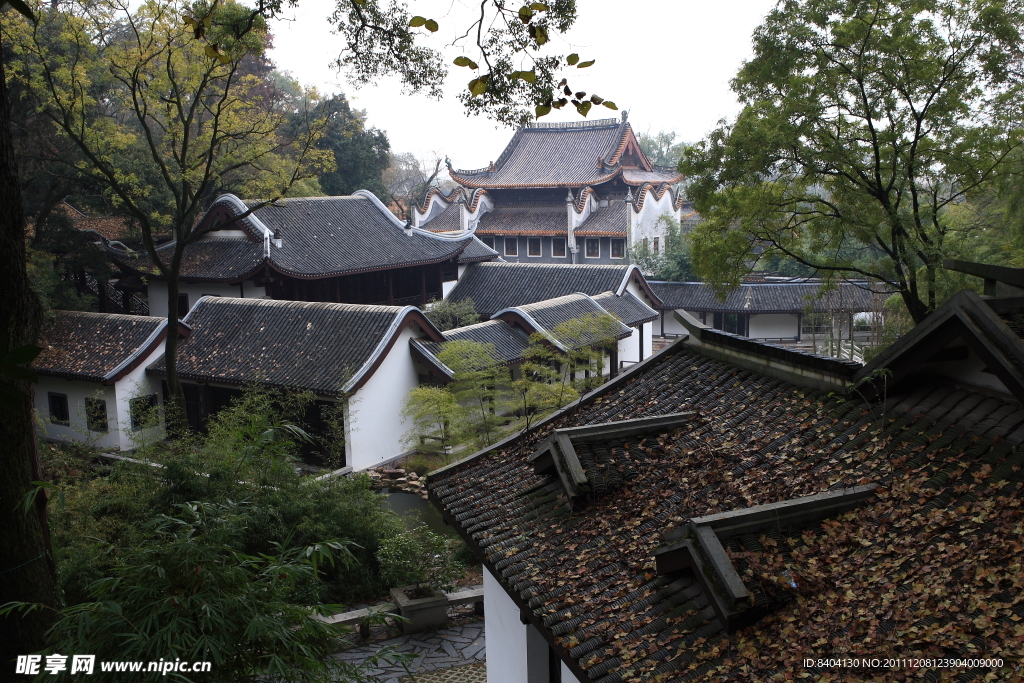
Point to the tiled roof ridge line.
(236, 204)
(573, 125)
(144, 346)
(959, 307)
(646, 188)
(396, 324)
(612, 158)
(537, 327)
(436, 191)
(580, 203)
(702, 536)
(612, 384)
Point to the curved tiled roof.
(626, 307)
(583, 570)
(563, 155)
(509, 342)
(448, 220)
(318, 236)
(494, 286)
(546, 316)
(214, 259)
(606, 221)
(763, 298)
(477, 251)
(533, 220)
(95, 347)
(325, 348)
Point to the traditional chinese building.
(318, 249)
(730, 509)
(580, 192)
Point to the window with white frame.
(511, 246)
(558, 247)
(142, 410)
(59, 413)
(618, 248)
(96, 415)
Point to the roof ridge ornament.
(569, 199)
(629, 195)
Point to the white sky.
(667, 62)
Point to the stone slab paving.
(449, 649)
(467, 673)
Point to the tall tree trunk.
(26, 563)
(174, 412)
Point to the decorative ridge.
(594, 123)
(646, 188)
(580, 202)
(437, 192)
(474, 201)
(613, 158)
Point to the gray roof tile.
(494, 286)
(763, 297)
(318, 347)
(320, 237)
(559, 155)
(92, 346)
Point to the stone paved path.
(467, 673)
(437, 651)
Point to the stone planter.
(423, 613)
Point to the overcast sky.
(667, 62)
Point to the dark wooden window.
(142, 409)
(96, 415)
(182, 305)
(59, 414)
(558, 247)
(656, 240)
(449, 271)
(593, 248)
(533, 246)
(511, 246)
(618, 248)
(489, 241)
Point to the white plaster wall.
(76, 391)
(673, 326)
(648, 339)
(119, 435)
(645, 222)
(374, 426)
(447, 287)
(157, 293)
(568, 676)
(629, 348)
(138, 383)
(773, 325)
(969, 371)
(506, 635)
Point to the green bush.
(422, 558)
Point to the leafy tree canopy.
(864, 124)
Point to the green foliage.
(422, 558)
(248, 456)
(863, 128)
(447, 314)
(479, 386)
(661, 149)
(673, 263)
(361, 155)
(512, 81)
(187, 591)
(435, 415)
